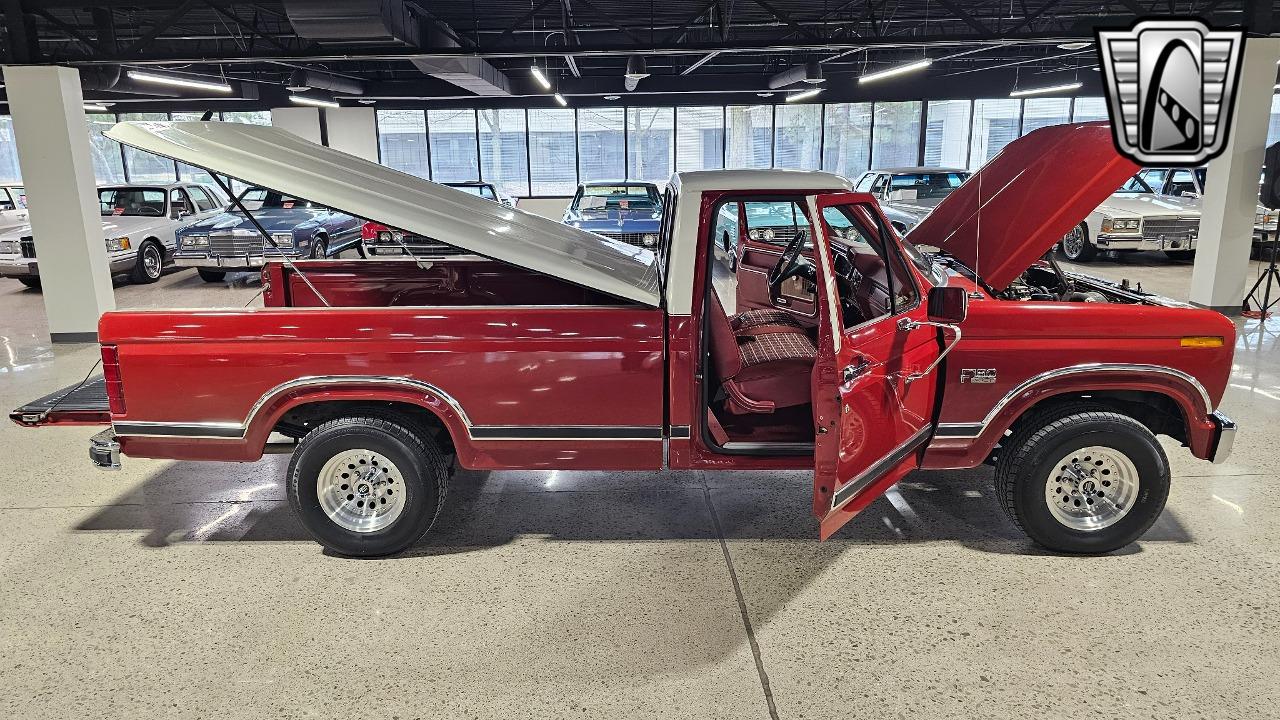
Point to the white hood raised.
(282, 161)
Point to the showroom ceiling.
(407, 53)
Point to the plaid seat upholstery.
(774, 347)
(756, 318)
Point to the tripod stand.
(1270, 275)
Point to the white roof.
(702, 180)
(282, 161)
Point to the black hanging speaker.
(1269, 191)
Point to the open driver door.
(874, 382)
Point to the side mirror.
(903, 194)
(949, 305)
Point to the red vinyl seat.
(759, 371)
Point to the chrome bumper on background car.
(1226, 436)
(104, 450)
(230, 263)
(17, 267)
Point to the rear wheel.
(1076, 246)
(149, 264)
(211, 276)
(1180, 255)
(319, 248)
(1083, 480)
(367, 486)
(31, 282)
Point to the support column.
(301, 121)
(57, 171)
(1220, 277)
(353, 130)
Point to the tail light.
(111, 373)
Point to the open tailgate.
(84, 403)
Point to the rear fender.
(964, 445)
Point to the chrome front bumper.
(1226, 436)
(20, 267)
(1130, 242)
(229, 262)
(104, 450)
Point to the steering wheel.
(149, 211)
(790, 259)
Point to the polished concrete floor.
(186, 590)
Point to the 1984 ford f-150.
(835, 346)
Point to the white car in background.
(139, 226)
(13, 206)
(908, 194)
(1136, 218)
(1190, 182)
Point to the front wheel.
(1083, 480)
(367, 486)
(149, 265)
(319, 248)
(1076, 246)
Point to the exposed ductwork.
(363, 22)
(810, 72)
(303, 80)
(469, 73)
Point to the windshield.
(1134, 186)
(259, 199)
(928, 185)
(142, 202)
(483, 191)
(621, 197)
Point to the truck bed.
(84, 403)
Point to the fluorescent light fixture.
(612, 97)
(542, 79)
(1074, 45)
(93, 107)
(314, 102)
(917, 65)
(764, 94)
(797, 97)
(366, 101)
(560, 99)
(150, 77)
(1046, 89)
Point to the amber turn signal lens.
(1202, 341)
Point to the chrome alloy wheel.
(1073, 242)
(1091, 488)
(151, 260)
(361, 490)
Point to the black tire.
(1180, 255)
(150, 264)
(211, 276)
(31, 282)
(319, 248)
(1023, 470)
(418, 460)
(1086, 252)
(360, 251)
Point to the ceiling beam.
(160, 26)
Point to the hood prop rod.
(267, 236)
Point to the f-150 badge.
(1170, 86)
(978, 376)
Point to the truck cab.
(827, 343)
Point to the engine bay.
(1047, 281)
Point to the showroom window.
(8, 152)
(1042, 112)
(749, 136)
(895, 134)
(601, 145)
(995, 124)
(504, 159)
(651, 144)
(249, 117)
(797, 137)
(143, 167)
(552, 170)
(946, 133)
(1273, 128)
(699, 138)
(846, 145)
(108, 162)
(190, 173)
(1089, 108)
(402, 141)
(454, 154)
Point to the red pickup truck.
(781, 323)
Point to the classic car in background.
(1190, 182)
(13, 206)
(908, 194)
(1136, 218)
(140, 226)
(230, 242)
(378, 239)
(626, 211)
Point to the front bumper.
(1175, 241)
(104, 450)
(1225, 436)
(227, 262)
(20, 267)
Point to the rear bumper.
(104, 450)
(1224, 436)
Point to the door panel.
(755, 262)
(872, 417)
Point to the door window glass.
(872, 281)
(180, 203)
(202, 199)
(5, 202)
(1182, 182)
(864, 183)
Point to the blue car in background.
(229, 242)
(626, 211)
